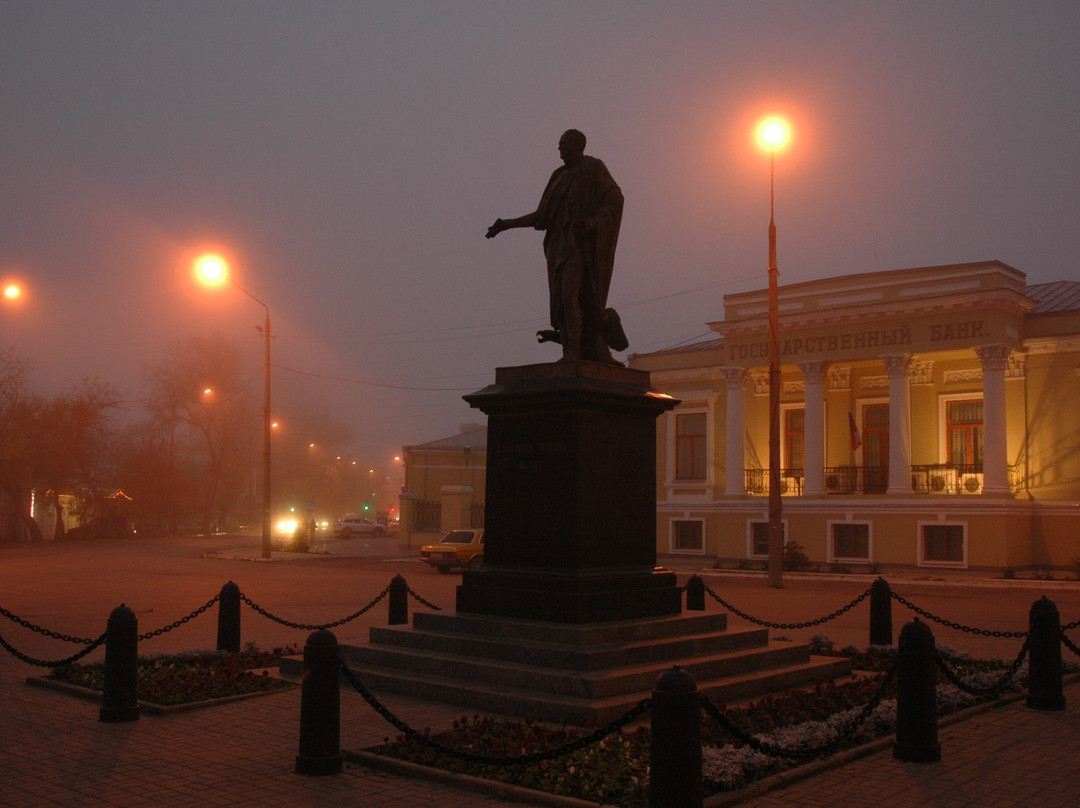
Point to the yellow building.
(928, 418)
(443, 487)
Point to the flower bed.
(615, 770)
(170, 680)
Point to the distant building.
(444, 485)
(928, 418)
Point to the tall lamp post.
(773, 134)
(213, 270)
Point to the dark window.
(851, 540)
(943, 543)
(759, 537)
(794, 438)
(690, 442)
(687, 536)
(964, 425)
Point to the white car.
(350, 526)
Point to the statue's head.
(571, 145)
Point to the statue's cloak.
(585, 190)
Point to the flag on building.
(856, 441)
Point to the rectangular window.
(851, 540)
(690, 446)
(687, 536)
(875, 446)
(794, 438)
(943, 544)
(964, 433)
(759, 537)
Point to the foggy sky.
(348, 158)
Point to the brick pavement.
(56, 754)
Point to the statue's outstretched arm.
(528, 220)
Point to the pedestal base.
(570, 597)
(570, 510)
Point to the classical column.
(735, 444)
(899, 423)
(814, 428)
(994, 359)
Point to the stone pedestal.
(570, 507)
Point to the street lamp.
(773, 134)
(213, 270)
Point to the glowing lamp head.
(212, 270)
(773, 134)
(12, 291)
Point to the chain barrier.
(982, 632)
(177, 623)
(312, 626)
(576, 745)
(1069, 643)
(425, 602)
(59, 663)
(1071, 626)
(52, 634)
(989, 690)
(788, 626)
(844, 735)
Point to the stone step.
(496, 699)
(547, 654)
(618, 681)
(577, 673)
(583, 634)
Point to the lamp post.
(773, 134)
(212, 270)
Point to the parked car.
(350, 526)
(458, 548)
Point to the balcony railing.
(791, 481)
(933, 479)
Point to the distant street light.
(12, 292)
(213, 270)
(774, 134)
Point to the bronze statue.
(579, 212)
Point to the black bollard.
(880, 613)
(399, 601)
(120, 699)
(1045, 687)
(675, 745)
(228, 620)
(320, 715)
(695, 594)
(916, 696)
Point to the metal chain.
(59, 663)
(788, 626)
(982, 632)
(1069, 643)
(177, 623)
(427, 603)
(576, 745)
(804, 752)
(312, 626)
(53, 634)
(989, 690)
(1071, 626)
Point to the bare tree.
(50, 445)
(200, 400)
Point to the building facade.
(928, 418)
(443, 487)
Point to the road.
(71, 588)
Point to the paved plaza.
(56, 752)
